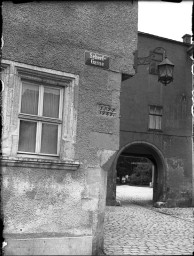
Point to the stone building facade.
(191, 53)
(61, 120)
(156, 121)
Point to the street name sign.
(98, 60)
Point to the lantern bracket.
(147, 60)
(165, 68)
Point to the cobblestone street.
(137, 228)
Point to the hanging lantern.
(165, 71)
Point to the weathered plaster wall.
(177, 157)
(193, 178)
(175, 97)
(55, 35)
(44, 201)
(174, 141)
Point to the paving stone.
(136, 228)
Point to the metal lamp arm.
(147, 60)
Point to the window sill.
(155, 130)
(39, 163)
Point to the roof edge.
(162, 38)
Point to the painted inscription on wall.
(106, 110)
(95, 59)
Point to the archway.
(145, 150)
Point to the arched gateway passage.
(145, 150)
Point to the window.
(155, 117)
(40, 118)
(155, 60)
(40, 112)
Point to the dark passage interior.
(139, 174)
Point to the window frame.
(40, 119)
(68, 124)
(160, 115)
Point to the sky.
(169, 20)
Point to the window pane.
(29, 104)
(158, 122)
(158, 110)
(51, 102)
(151, 122)
(152, 109)
(27, 137)
(49, 138)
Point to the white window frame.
(40, 119)
(154, 115)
